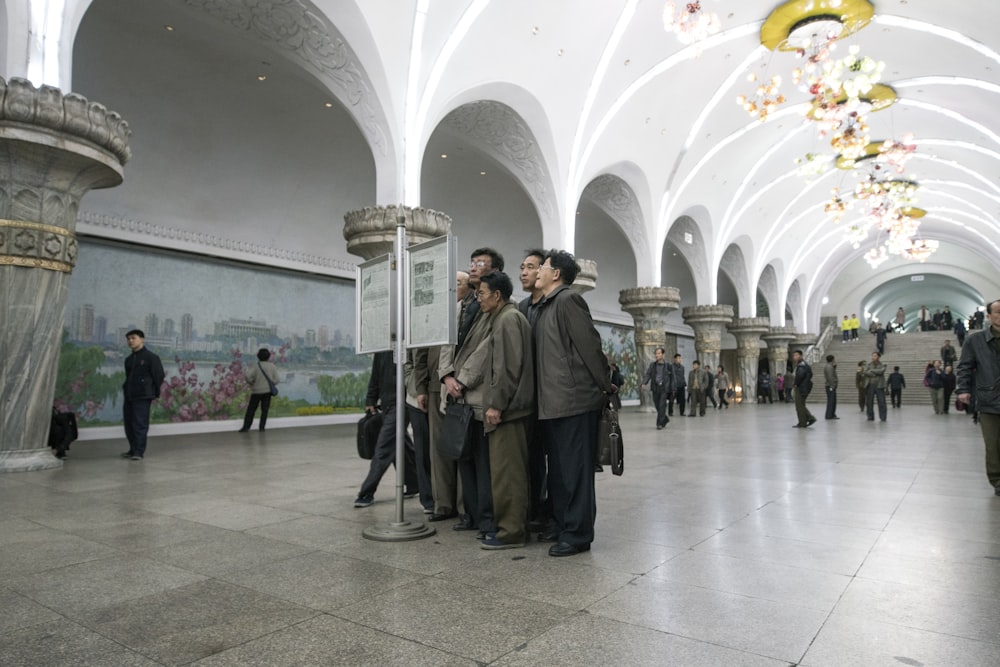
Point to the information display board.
(430, 311)
(375, 301)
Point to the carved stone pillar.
(748, 331)
(586, 280)
(777, 340)
(649, 307)
(805, 342)
(708, 322)
(371, 231)
(54, 148)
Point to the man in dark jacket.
(573, 384)
(143, 378)
(659, 378)
(382, 394)
(831, 380)
(896, 384)
(801, 386)
(979, 371)
(677, 391)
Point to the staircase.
(910, 351)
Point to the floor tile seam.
(790, 566)
(85, 627)
(519, 596)
(409, 640)
(941, 589)
(868, 617)
(682, 636)
(798, 540)
(218, 575)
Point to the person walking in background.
(845, 329)
(855, 327)
(896, 383)
(946, 319)
(948, 355)
(143, 379)
(801, 388)
(698, 384)
(960, 331)
(880, 339)
(861, 383)
(978, 383)
(934, 382)
(900, 320)
(925, 318)
(875, 378)
(722, 386)
(258, 376)
(677, 392)
(948, 384)
(764, 388)
(779, 385)
(830, 380)
(789, 385)
(659, 379)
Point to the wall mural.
(206, 318)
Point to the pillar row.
(708, 323)
(748, 332)
(777, 339)
(54, 148)
(649, 307)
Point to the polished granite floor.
(732, 539)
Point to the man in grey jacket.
(979, 371)
(573, 384)
(830, 378)
(875, 389)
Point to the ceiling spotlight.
(168, 28)
(261, 77)
(328, 105)
(444, 155)
(482, 173)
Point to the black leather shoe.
(565, 549)
(442, 517)
(465, 524)
(548, 537)
(810, 422)
(126, 455)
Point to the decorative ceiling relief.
(294, 26)
(614, 196)
(499, 130)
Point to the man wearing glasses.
(573, 384)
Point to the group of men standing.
(536, 378)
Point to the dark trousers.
(947, 399)
(444, 471)
(678, 395)
(874, 395)
(264, 401)
(801, 411)
(897, 397)
(990, 425)
(477, 490)
(136, 417)
(385, 456)
(570, 443)
(421, 453)
(698, 402)
(722, 397)
(540, 508)
(660, 401)
(831, 402)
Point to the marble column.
(777, 339)
(586, 280)
(370, 232)
(805, 341)
(649, 307)
(748, 331)
(54, 148)
(708, 323)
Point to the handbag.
(455, 437)
(274, 389)
(609, 441)
(368, 429)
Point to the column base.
(28, 460)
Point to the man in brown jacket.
(508, 404)
(573, 384)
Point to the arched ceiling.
(599, 83)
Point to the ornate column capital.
(748, 332)
(777, 340)
(54, 148)
(371, 231)
(649, 307)
(586, 280)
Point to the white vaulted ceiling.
(598, 131)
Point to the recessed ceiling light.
(482, 173)
(534, 31)
(627, 61)
(444, 155)
(328, 105)
(261, 77)
(560, 52)
(168, 28)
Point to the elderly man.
(979, 371)
(573, 384)
(802, 384)
(508, 404)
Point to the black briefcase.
(368, 430)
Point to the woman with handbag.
(262, 378)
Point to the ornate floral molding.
(72, 114)
(299, 28)
(618, 200)
(100, 225)
(37, 245)
(500, 132)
